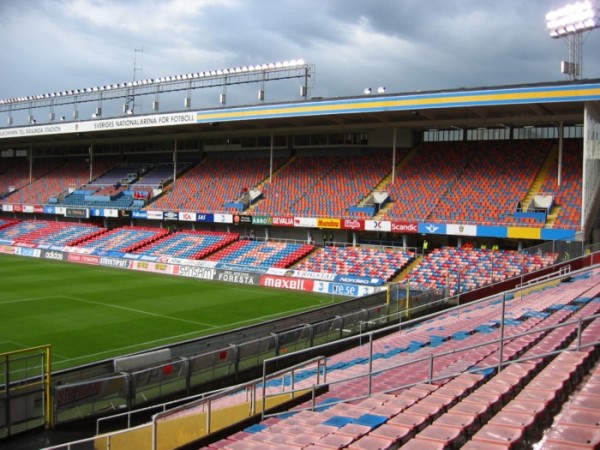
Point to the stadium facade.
(558, 110)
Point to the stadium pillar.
(91, 152)
(404, 241)
(560, 151)
(394, 137)
(30, 165)
(271, 158)
(174, 162)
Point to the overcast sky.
(404, 45)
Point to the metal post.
(370, 363)
(579, 328)
(319, 371)
(431, 368)
(264, 386)
(154, 432)
(48, 387)
(500, 358)
(8, 392)
(208, 416)
(398, 307)
(305, 90)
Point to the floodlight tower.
(571, 22)
(130, 105)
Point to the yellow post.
(47, 388)
(388, 294)
(46, 376)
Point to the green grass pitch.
(90, 313)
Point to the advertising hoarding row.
(328, 223)
(209, 270)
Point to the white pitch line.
(261, 318)
(24, 346)
(156, 341)
(17, 344)
(129, 347)
(107, 304)
(144, 344)
(31, 299)
(139, 311)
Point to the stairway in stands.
(266, 181)
(387, 180)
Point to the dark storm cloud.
(404, 45)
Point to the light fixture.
(570, 22)
(273, 66)
(367, 91)
(381, 90)
(573, 18)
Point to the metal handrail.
(252, 385)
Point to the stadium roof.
(541, 104)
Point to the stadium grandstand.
(455, 231)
